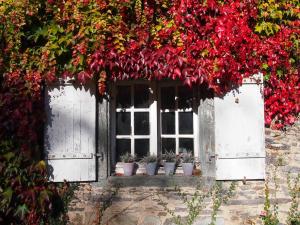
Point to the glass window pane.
(168, 123)
(123, 97)
(141, 123)
(141, 147)
(122, 146)
(185, 122)
(186, 145)
(168, 144)
(185, 97)
(167, 97)
(123, 123)
(141, 96)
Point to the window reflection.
(122, 146)
(186, 145)
(141, 96)
(141, 123)
(141, 147)
(123, 97)
(185, 122)
(168, 98)
(168, 145)
(168, 123)
(123, 123)
(185, 97)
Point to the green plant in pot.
(170, 161)
(187, 163)
(128, 160)
(151, 164)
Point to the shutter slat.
(206, 133)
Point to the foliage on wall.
(211, 42)
(26, 196)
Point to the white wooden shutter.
(70, 133)
(239, 133)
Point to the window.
(132, 119)
(149, 117)
(177, 118)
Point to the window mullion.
(159, 123)
(153, 120)
(176, 121)
(196, 123)
(132, 119)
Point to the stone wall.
(94, 204)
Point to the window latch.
(100, 155)
(212, 156)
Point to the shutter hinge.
(69, 155)
(100, 155)
(212, 156)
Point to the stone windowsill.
(155, 181)
(141, 170)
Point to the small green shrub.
(149, 159)
(170, 157)
(270, 215)
(60, 202)
(26, 196)
(294, 192)
(219, 197)
(195, 203)
(127, 158)
(109, 192)
(187, 157)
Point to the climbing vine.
(215, 43)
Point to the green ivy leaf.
(81, 59)
(267, 77)
(7, 196)
(8, 156)
(258, 28)
(21, 211)
(279, 73)
(265, 66)
(44, 198)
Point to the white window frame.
(194, 109)
(154, 118)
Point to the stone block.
(207, 220)
(122, 219)
(246, 202)
(161, 214)
(180, 209)
(151, 220)
(169, 221)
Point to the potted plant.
(188, 163)
(170, 160)
(127, 163)
(151, 164)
